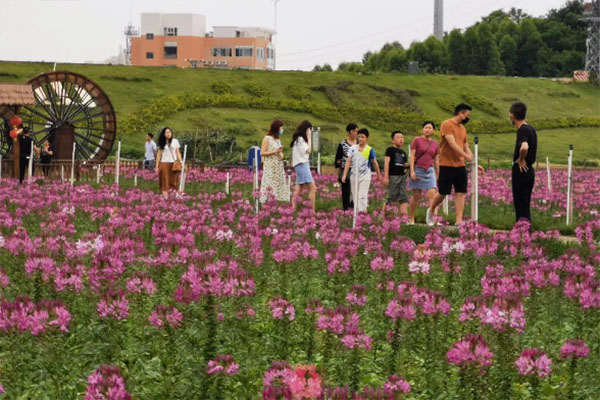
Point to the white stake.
(319, 163)
(355, 191)
(98, 174)
(30, 164)
(73, 164)
(227, 184)
(182, 177)
(446, 205)
(118, 163)
(62, 173)
(548, 173)
(289, 182)
(475, 183)
(570, 187)
(135, 179)
(0, 167)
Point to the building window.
(149, 36)
(270, 53)
(170, 31)
(170, 52)
(260, 53)
(221, 52)
(149, 55)
(243, 51)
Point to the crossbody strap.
(425, 152)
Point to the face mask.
(281, 132)
(465, 121)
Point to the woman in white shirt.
(301, 144)
(167, 154)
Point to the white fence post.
(475, 183)
(227, 184)
(30, 164)
(355, 170)
(62, 173)
(118, 163)
(73, 164)
(0, 167)
(256, 180)
(182, 178)
(570, 187)
(548, 174)
(98, 174)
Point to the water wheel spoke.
(88, 140)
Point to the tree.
(456, 52)
(517, 15)
(487, 57)
(529, 44)
(395, 60)
(508, 54)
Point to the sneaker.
(429, 217)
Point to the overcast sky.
(310, 31)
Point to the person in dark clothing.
(25, 144)
(341, 156)
(394, 173)
(523, 174)
(46, 158)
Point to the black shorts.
(452, 176)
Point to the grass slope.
(133, 88)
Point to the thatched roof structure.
(16, 95)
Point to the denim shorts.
(303, 174)
(425, 179)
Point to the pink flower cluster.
(534, 362)
(113, 305)
(283, 381)
(382, 263)
(343, 322)
(223, 364)
(4, 279)
(161, 313)
(280, 308)
(25, 315)
(222, 278)
(575, 348)
(420, 260)
(357, 295)
(141, 282)
(409, 299)
(471, 350)
(106, 383)
(392, 389)
(500, 315)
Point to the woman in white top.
(301, 144)
(167, 154)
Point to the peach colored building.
(181, 40)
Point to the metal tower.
(130, 31)
(592, 58)
(438, 19)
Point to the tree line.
(502, 43)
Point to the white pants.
(362, 192)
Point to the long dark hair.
(301, 132)
(162, 139)
(274, 129)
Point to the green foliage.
(255, 89)
(221, 87)
(482, 104)
(512, 43)
(296, 92)
(126, 78)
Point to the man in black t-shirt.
(25, 143)
(394, 173)
(523, 174)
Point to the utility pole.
(275, 34)
(438, 19)
(591, 15)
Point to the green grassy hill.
(196, 103)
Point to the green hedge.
(481, 103)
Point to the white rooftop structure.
(173, 24)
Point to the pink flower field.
(113, 292)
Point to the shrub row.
(297, 93)
(385, 118)
(255, 89)
(125, 78)
(221, 87)
(481, 103)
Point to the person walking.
(46, 158)
(364, 157)
(301, 145)
(273, 178)
(169, 162)
(394, 173)
(424, 167)
(523, 174)
(341, 155)
(25, 145)
(454, 151)
(150, 154)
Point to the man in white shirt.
(150, 156)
